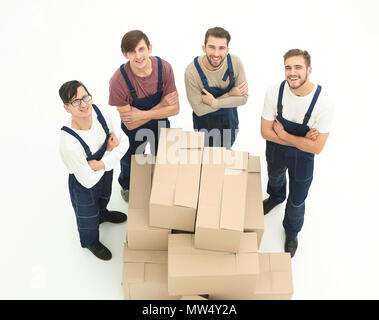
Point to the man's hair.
(298, 52)
(131, 39)
(69, 89)
(217, 32)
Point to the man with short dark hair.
(215, 86)
(296, 122)
(144, 92)
(90, 148)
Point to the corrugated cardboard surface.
(254, 218)
(222, 200)
(139, 234)
(274, 281)
(143, 237)
(174, 194)
(140, 181)
(145, 275)
(194, 271)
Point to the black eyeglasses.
(77, 102)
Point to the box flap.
(249, 242)
(264, 262)
(188, 177)
(140, 181)
(202, 264)
(144, 256)
(210, 196)
(254, 164)
(185, 244)
(233, 203)
(169, 144)
(281, 273)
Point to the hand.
(169, 99)
(239, 90)
(96, 165)
(208, 98)
(112, 142)
(279, 129)
(312, 134)
(133, 115)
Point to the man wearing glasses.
(90, 148)
(144, 92)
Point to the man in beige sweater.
(216, 85)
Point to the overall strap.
(101, 119)
(128, 83)
(160, 81)
(84, 145)
(310, 109)
(201, 73)
(280, 98)
(229, 72)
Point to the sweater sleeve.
(226, 101)
(193, 91)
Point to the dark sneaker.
(290, 246)
(268, 205)
(125, 194)
(100, 251)
(114, 217)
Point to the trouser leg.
(276, 170)
(124, 177)
(295, 207)
(105, 195)
(87, 213)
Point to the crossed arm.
(111, 144)
(134, 118)
(274, 131)
(236, 91)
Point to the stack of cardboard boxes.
(195, 225)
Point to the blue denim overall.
(300, 169)
(90, 205)
(222, 119)
(149, 131)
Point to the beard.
(213, 64)
(302, 81)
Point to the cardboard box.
(175, 187)
(274, 282)
(194, 271)
(145, 275)
(139, 234)
(222, 200)
(254, 219)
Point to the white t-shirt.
(74, 156)
(295, 108)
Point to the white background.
(45, 43)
